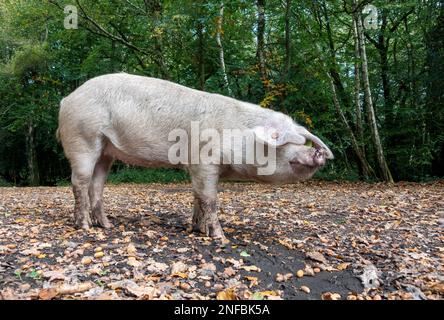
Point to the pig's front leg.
(205, 220)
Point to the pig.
(130, 118)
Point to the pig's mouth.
(314, 157)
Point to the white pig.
(129, 118)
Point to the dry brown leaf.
(316, 256)
(342, 266)
(48, 294)
(229, 272)
(253, 281)
(331, 296)
(251, 268)
(286, 243)
(228, 294)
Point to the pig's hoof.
(218, 234)
(102, 222)
(210, 230)
(105, 224)
(84, 225)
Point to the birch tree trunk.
(219, 32)
(366, 169)
(201, 55)
(383, 167)
(341, 96)
(261, 41)
(357, 73)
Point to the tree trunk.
(366, 169)
(287, 38)
(219, 32)
(357, 73)
(33, 168)
(385, 171)
(201, 55)
(340, 94)
(261, 42)
(343, 96)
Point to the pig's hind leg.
(83, 153)
(82, 170)
(98, 215)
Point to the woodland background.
(374, 94)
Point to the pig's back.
(131, 98)
(135, 112)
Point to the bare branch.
(107, 34)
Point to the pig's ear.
(276, 137)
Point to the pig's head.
(299, 153)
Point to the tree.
(372, 122)
(375, 96)
(261, 21)
(219, 32)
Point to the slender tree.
(261, 22)
(219, 32)
(288, 47)
(372, 122)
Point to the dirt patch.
(341, 235)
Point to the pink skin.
(314, 158)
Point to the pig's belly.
(147, 158)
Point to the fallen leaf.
(133, 289)
(316, 256)
(228, 294)
(178, 267)
(67, 289)
(305, 289)
(86, 260)
(229, 272)
(331, 296)
(48, 294)
(131, 249)
(286, 243)
(270, 294)
(342, 266)
(251, 268)
(244, 254)
(253, 281)
(133, 262)
(180, 275)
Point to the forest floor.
(312, 240)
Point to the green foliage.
(29, 60)
(41, 62)
(136, 175)
(4, 183)
(139, 175)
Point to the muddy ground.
(312, 240)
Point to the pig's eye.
(309, 143)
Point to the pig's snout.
(311, 157)
(319, 157)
